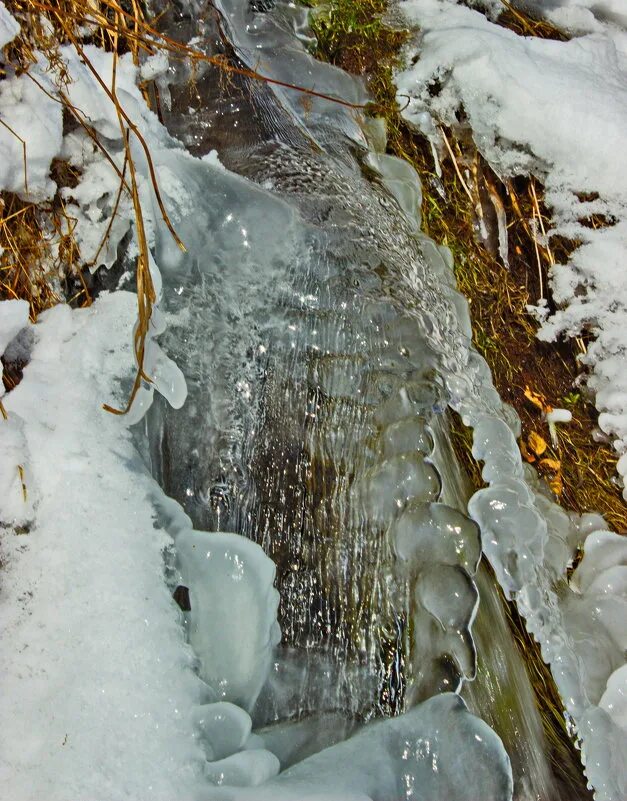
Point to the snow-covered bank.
(97, 682)
(557, 110)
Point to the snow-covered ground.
(557, 110)
(97, 680)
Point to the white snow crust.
(97, 681)
(9, 27)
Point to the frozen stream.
(322, 340)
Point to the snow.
(557, 110)
(32, 124)
(97, 680)
(579, 16)
(9, 27)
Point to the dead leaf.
(526, 453)
(550, 465)
(536, 443)
(556, 484)
(538, 400)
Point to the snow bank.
(579, 16)
(32, 129)
(557, 110)
(97, 682)
(9, 27)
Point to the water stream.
(320, 335)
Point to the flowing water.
(319, 333)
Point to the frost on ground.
(557, 110)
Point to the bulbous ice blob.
(603, 753)
(589, 623)
(232, 622)
(612, 581)
(448, 594)
(244, 769)
(494, 444)
(614, 699)
(558, 550)
(439, 548)
(502, 511)
(602, 550)
(433, 532)
(406, 436)
(386, 488)
(402, 181)
(442, 659)
(224, 728)
(438, 751)
(398, 407)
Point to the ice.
(435, 533)
(230, 579)
(614, 699)
(449, 608)
(224, 728)
(603, 550)
(439, 548)
(165, 374)
(402, 180)
(502, 512)
(405, 436)
(294, 741)
(244, 769)
(495, 445)
(437, 751)
(267, 44)
(9, 27)
(388, 486)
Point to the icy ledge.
(531, 541)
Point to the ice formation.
(230, 578)
(436, 751)
(347, 329)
